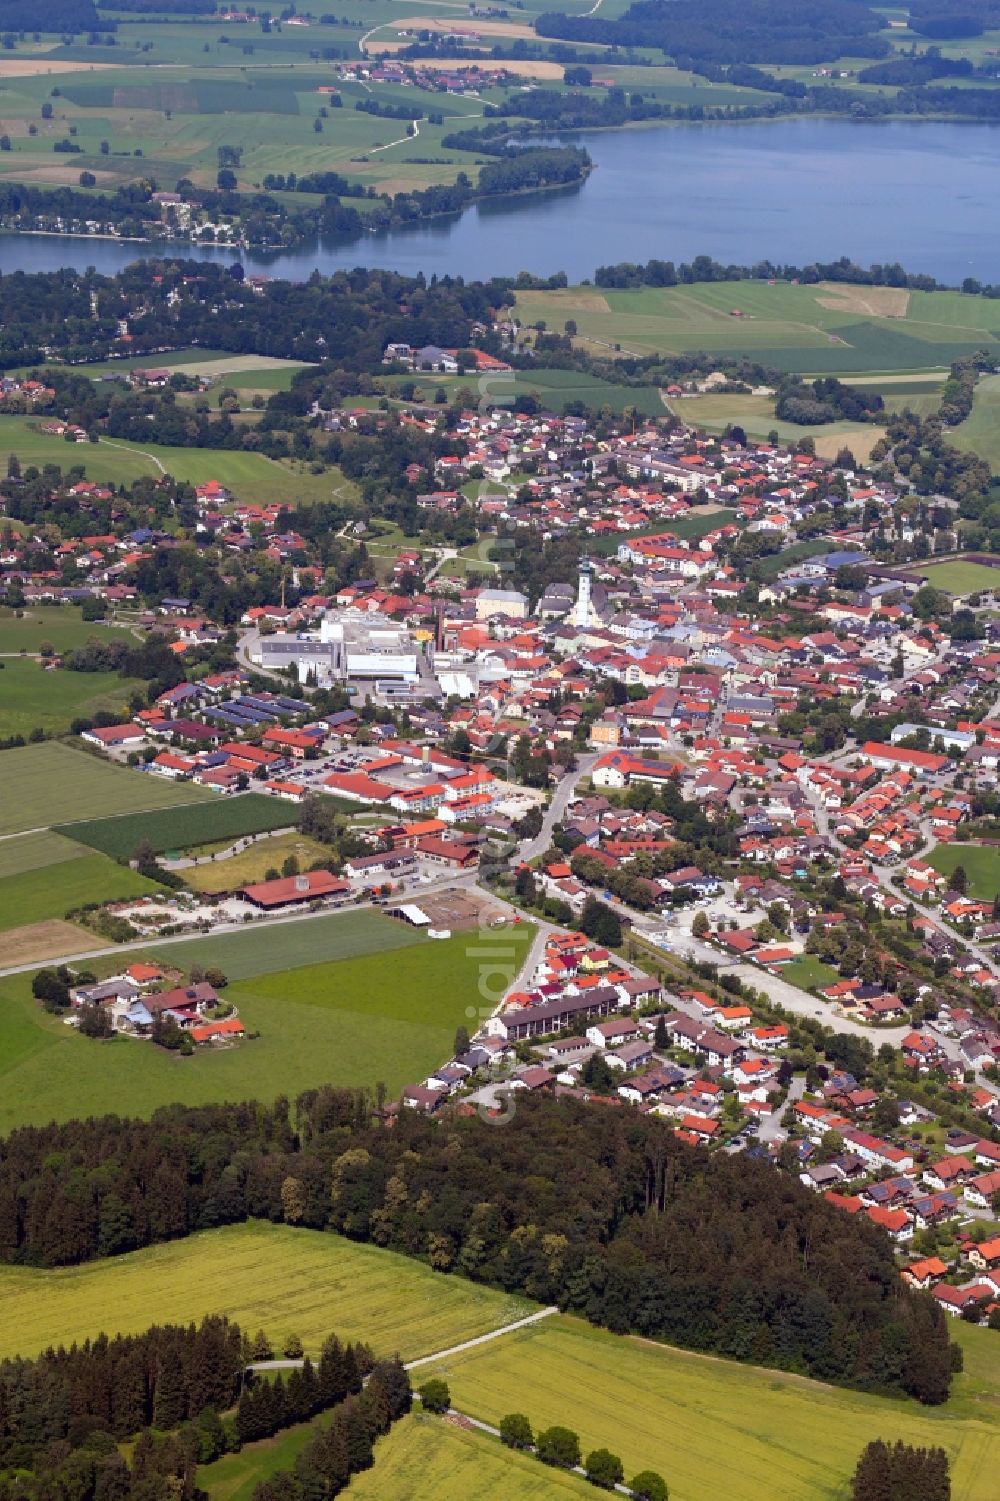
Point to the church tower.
(582, 608)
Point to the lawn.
(808, 973)
(254, 863)
(381, 1015)
(62, 625)
(715, 1428)
(182, 827)
(271, 1277)
(33, 697)
(981, 863)
(962, 578)
(53, 890)
(427, 1457)
(235, 1477)
(251, 477)
(47, 784)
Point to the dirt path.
(127, 448)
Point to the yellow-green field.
(283, 1280)
(755, 414)
(433, 1458)
(714, 1428)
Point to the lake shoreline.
(807, 190)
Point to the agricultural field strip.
(272, 1276)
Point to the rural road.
(482, 1339)
(410, 1365)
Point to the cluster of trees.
(65, 1415)
(602, 1213)
(344, 1446)
(266, 1406)
(314, 182)
(825, 400)
(888, 1470)
(118, 1386)
(730, 31)
(560, 1447)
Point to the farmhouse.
(294, 891)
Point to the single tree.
(648, 1486)
(558, 1446)
(515, 1431)
(435, 1396)
(604, 1469)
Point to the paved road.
(561, 798)
(411, 1365)
(482, 1339)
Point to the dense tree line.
(886, 1471)
(190, 1395)
(59, 15)
(165, 1377)
(659, 273)
(606, 1213)
(344, 1446)
(732, 31)
(267, 1405)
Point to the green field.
(427, 1457)
(235, 1477)
(48, 784)
(27, 852)
(184, 826)
(253, 864)
(962, 578)
(980, 432)
(808, 972)
(274, 1277)
(715, 1428)
(981, 863)
(250, 476)
(388, 1014)
(51, 890)
(823, 329)
(34, 697)
(266, 948)
(62, 625)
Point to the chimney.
(301, 883)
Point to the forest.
(605, 1213)
(188, 1394)
(732, 31)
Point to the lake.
(923, 193)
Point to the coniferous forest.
(186, 1396)
(605, 1213)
